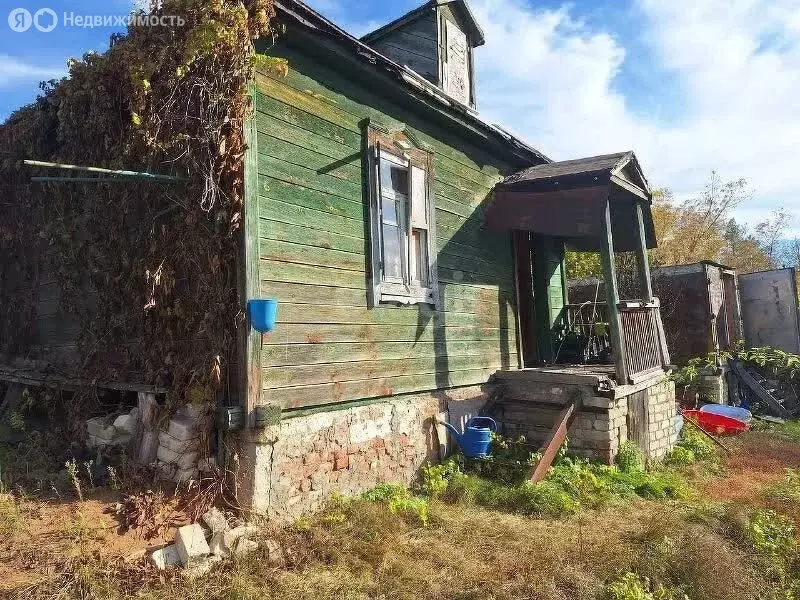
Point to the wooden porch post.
(647, 283)
(612, 295)
(641, 256)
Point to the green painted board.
(328, 346)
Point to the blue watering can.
(476, 441)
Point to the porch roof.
(567, 200)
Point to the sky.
(690, 85)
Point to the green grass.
(786, 491)
(570, 484)
(789, 431)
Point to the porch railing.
(586, 336)
(642, 335)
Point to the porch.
(599, 204)
(595, 368)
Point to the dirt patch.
(757, 461)
(50, 533)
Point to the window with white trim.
(402, 227)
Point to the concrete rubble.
(199, 546)
(178, 455)
(175, 450)
(111, 430)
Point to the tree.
(702, 228)
(743, 251)
(771, 232)
(693, 230)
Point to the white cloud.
(551, 78)
(14, 71)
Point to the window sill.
(397, 293)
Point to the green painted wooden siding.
(549, 292)
(328, 346)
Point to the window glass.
(392, 252)
(394, 207)
(394, 177)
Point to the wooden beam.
(641, 255)
(612, 295)
(759, 390)
(34, 378)
(627, 185)
(249, 276)
(555, 439)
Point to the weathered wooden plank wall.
(415, 45)
(329, 346)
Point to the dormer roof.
(474, 30)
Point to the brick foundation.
(600, 430)
(290, 469)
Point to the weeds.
(88, 466)
(771, 537)
(571, 483)
(786, 491)
(692, 447)
(633, 587)
(72, 469)
(400, 501)
(113, 478)
(630, 458)
(11, 518)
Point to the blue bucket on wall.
(263, 312)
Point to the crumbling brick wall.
(306, 459)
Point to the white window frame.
(391, 290)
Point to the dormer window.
(436, 41)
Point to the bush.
(400, 501)
(630, 457)
(434, 479)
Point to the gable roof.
(604, 164)
(473, 28)
(303, 15)
(568, 199)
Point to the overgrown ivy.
(147, 271)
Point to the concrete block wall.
(600, 429)
(661, 412)
(602, 424)
(290, 469)
(605, 424)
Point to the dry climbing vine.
(145, 271)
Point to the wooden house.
(417, 256)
